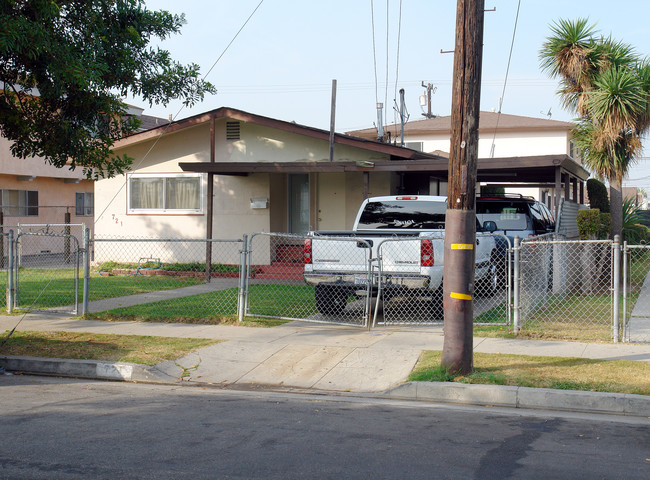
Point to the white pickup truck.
(396, 247)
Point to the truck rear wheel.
(330, 299)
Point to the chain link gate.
(349, 280)
(636, 293)
(47, 278)
(300, 277)
(406, 289)
(566, 288)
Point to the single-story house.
(226, 172)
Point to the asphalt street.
(56, 428)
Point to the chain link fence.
(56, 241)
(565, 288)
(636, 296)
(145, 278)
(550, 287)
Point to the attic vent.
(415, 146)
(232, 130)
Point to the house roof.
(393, 151)
(488, 122)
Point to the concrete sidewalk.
(304, 355)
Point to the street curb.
(85, 369)
(441, 392)
(524, 397)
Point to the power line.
(399, 37)
(374, 49)
(505, 81)
(387, 60)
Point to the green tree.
(65, 66)
(607, 85)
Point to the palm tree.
(605, 83)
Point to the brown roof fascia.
(242, 168)
(234, 114)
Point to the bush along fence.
(544, 286)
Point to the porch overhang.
(531, 169)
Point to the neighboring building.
(41, 198)
(509, 141)
(38, 196)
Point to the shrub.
(593, 225)
(597, 192)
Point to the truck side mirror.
(489, 226)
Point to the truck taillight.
(426, 253)
(406, 198)
(307, 251)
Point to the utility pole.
(460, 230)
(430, 90)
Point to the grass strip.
(565, 373)
(218, 307)
(147, 350)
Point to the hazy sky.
(282, 63)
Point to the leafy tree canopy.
(65, 65)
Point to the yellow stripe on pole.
(462, 246)
(460, 296)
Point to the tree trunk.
(616, 206)
(460, 230)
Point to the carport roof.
(533, 169)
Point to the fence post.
(86, 260)
(616, 252)
(515, 282)
(10, 273)
(66, 240)
(626, 260)
(243, 274)
(2, 244)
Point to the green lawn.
(217, 307)
(47, 288)
(624, 376)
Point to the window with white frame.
(173, 193)
(83, 204)
(19, 203)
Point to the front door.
(299, 203)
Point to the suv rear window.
(396, 214)
(507, 215)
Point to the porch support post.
(567, 186)
(366, 184)
(582, 192)
(558, 189)
(574, 186)
(210, 201)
